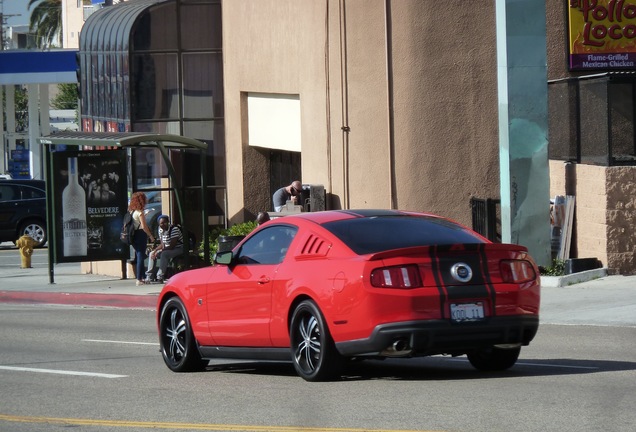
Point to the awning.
(37, 67)
(121, 139)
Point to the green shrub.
(556, 269)
(241, 229)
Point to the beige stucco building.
(397, 107)
(387, 104)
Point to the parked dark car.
(23, 210)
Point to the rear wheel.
(493, 358)
(36, 230)
(314, 353)
(177, 343)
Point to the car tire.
(177, 344)
(36, 230)
(314, 353)
(493, 358)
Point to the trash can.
(576, 265)
(227, 243)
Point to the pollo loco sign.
(602, 34)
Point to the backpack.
(128, 229)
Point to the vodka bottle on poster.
(74, 214)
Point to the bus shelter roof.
(121, 139)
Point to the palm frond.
(46, 21)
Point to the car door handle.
(263, 280)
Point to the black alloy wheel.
(314, 354)
(493, 358)
(177, 343)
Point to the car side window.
(32, 193)
(268, 246)
(7, 193)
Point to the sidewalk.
(32, 286)
(600, 300)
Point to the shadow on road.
(434, 369)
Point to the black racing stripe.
(458, 292)
(438, 280)
(487, 279)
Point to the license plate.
(467, 311)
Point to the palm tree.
(46, 21)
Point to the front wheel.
(493, 358)
(314, 354)
(177, 343)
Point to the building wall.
(605, 209)
(72, 22)
(605, 213)
(398, 99)
(557, 37)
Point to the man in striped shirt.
(171, 246)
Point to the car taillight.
(396, 277)
(517, 271)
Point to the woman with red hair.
(137, 204)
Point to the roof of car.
(334, 215)
(29, 182)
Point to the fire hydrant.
(25, 244)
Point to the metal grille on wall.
(592, 119)
(486, 215)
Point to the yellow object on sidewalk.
(25, 244)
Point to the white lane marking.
(61, 372)
(120, 342)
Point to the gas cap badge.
(461, 272)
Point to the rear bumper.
(443, 337)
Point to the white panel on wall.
(274, 121)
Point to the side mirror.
(225, 257)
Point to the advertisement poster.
(602, 34)
(90, 199)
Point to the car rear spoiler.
(425, 250)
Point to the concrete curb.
(127, 301)
(571, 279)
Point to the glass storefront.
(156, 66)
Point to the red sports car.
(319, 288)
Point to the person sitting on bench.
(171, 246)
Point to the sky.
(16, 7)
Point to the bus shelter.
(84, 225)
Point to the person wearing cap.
(170, 246)
(287, 193)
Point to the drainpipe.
(329, 186)
(389, 84)
(345, 102)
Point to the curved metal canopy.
(121, 139)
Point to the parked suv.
(23, 210)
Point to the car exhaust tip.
(399, 348)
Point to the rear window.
(32, 193)
(376, 234)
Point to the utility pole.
(3, 23)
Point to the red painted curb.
(81, 299)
